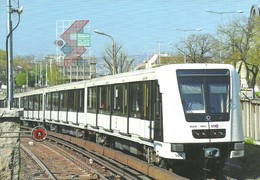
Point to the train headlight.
(217, 133)
(177, 147)
(200, 134)
(239, 146)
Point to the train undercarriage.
(195, 161)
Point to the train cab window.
(139, 105)
(120, 99)
(104, 99)
(204, 94)
(218, 95)
(55, 101)
(192, 93)
(92, 99)
(48, 101)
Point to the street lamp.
(184, 31)
(113, 49)
(220, 17)
(20, 67)
(223, 12)
(9, 49)
(160, 43)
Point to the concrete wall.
(251, 118)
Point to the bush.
(249, 141)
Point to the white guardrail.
(251, 118)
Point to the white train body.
(184, 111)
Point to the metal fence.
(251, 118)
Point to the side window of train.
(22, 102)
(55, 101)
(92, 99)
(31, 100)
(63, 100)
(120, 99)
(40, 102)
(36, 102)
(16, 102)
(104, 99)
(72, 100)
(48, 101)
(26, 103)
(140, 101)
(81, 97)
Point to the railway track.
(121, 165)
(58, 163)
(120, 171)
(43, 167)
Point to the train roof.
(139, 75)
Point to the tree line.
(236, 42)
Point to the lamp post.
(223, 12)
(20, 67)
(9, 49)
(160, 43)
(113, 50)
(184, 31)
(220, 18)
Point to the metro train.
(166, 115)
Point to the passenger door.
(157, 112)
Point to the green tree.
(239, 41)
(54, 76)
(20, 79)
(3, 67)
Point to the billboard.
(72, 40)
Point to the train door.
(157, 112)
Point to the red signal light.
(39, 133)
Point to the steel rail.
(74, 159)
(39, 162)
(116, 167)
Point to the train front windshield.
(204, 94)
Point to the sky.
(139, 25)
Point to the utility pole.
(9, 50)
(46, 81)
(9, 57)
